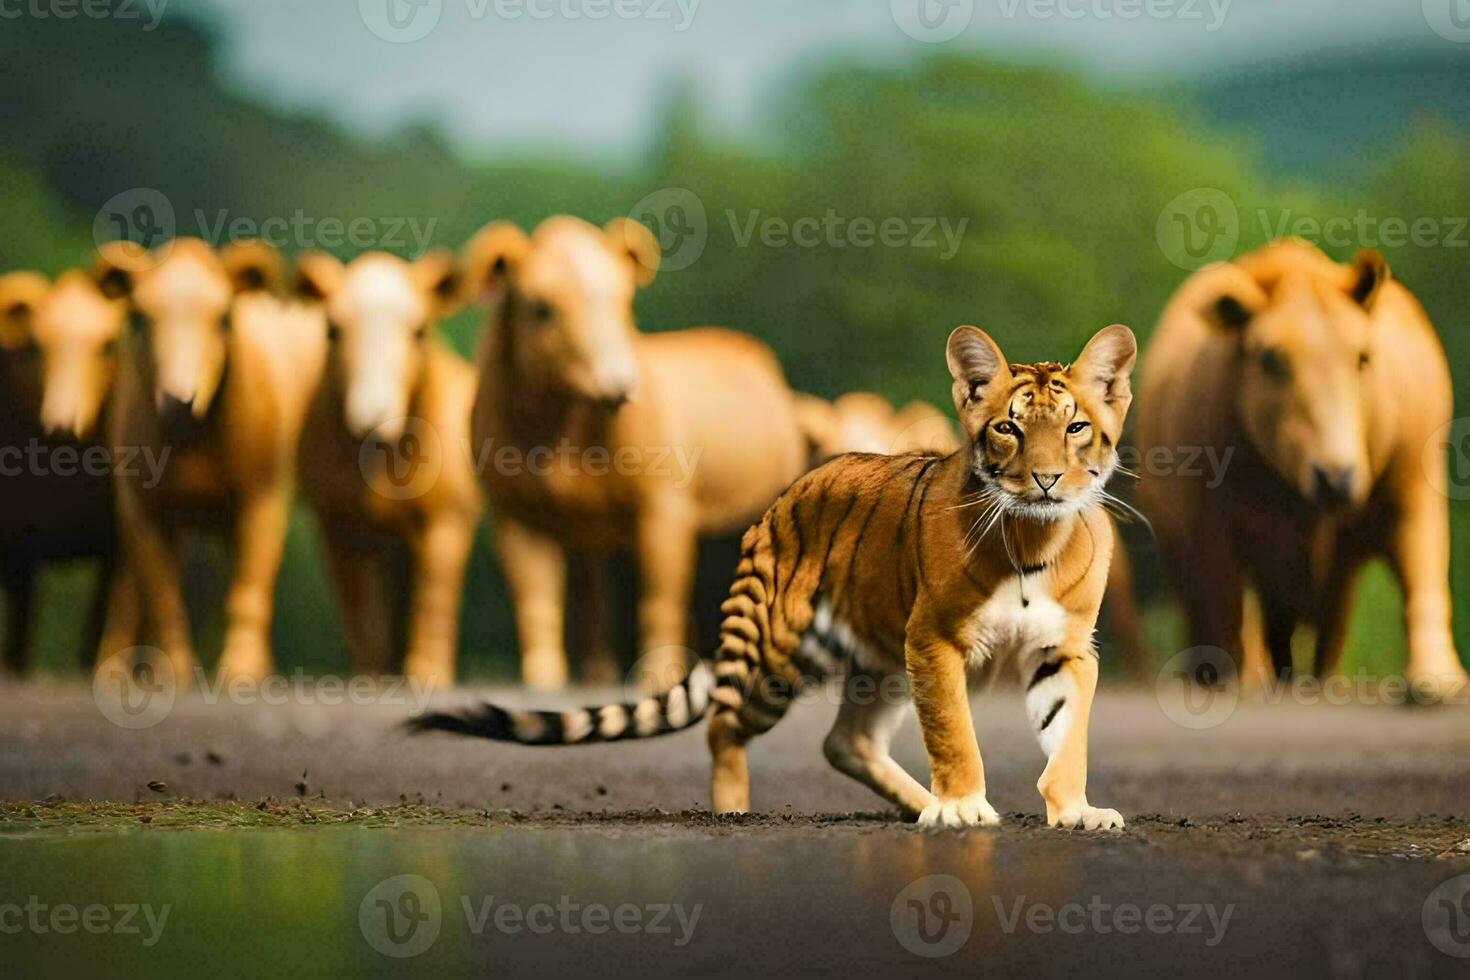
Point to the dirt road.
(1263, 840)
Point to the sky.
(587, 74)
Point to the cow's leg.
(1419, 547)
(122, 620)
(440, 552)
(536, 573)
(1336, 611)
(666, 546)
(358, 576)
(153, 555)
(20, 596)
(260, 539)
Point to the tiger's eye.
(1077, 427)
(1006, 429)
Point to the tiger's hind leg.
(858, 744)
(739, 717)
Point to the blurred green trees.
(900, 202)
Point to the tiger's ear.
(1105, 364)
(490, 260)
(20, 294)
(253, 266)
(975, 363)
(633, 241)
(1369, 274)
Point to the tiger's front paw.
(1087, 818)
(962, 811)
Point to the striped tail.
(680, 707)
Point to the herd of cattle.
(205, 385)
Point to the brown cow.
(219, 380)
(57, 361)
(1325, 383)
(862, 422)
(383, 458)
(593, 436)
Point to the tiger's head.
(1043, 437)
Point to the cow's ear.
(490, 260)
(116, 267)
(817, 419)
(253, 266)
(975, 363)
(1231, 298)
(20, 294)
(438, 274)
(633, 241)
(1369, 273)
(1105, 366)
(318, 275)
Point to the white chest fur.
(1020, 617)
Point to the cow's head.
(381, 314)
(565, 300)
(75, 330)
(181, 296)
(1306, 339)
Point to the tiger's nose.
(1045, 480)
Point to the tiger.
(913, 574)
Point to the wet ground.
(295, 835)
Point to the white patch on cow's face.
(1019, 618)
(379, 319)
